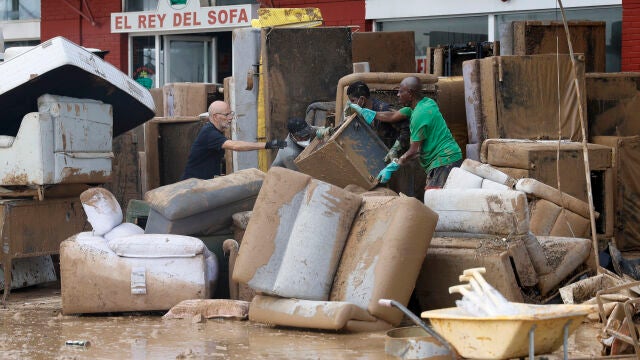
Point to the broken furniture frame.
(628, 307)
(37, 193)
(24, 234)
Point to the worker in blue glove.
(300, 136)
(431, 139)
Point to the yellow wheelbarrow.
(535, 329)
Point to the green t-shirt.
(439, 148)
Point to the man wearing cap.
(300, 135)
(207, 151)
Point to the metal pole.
(532, 352)
(585, 151)
(565, 340)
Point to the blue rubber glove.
(385, 174)
(367, 114)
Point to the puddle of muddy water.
(33, 328)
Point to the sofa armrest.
(327, 315)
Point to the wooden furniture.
(34, 228)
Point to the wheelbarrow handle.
(416, 320)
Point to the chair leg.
(6, 267)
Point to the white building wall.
(386, 9)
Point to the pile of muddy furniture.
(517, 132)
(321, 257)
(62, 145)
(59, 118)
(516, 229)
(116, 267)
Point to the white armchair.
(117, 268)
(67, 141)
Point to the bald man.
(207, 151)
(431, 139)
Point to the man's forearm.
(237, 145)
(389, 116)
(412, 153)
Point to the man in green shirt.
(431, 139)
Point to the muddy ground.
(34, 328)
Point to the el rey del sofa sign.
(183, 15)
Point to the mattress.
(60, 67)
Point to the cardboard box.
(399, 54)
(25, 234)
(305, 75)
(625, 189)
(509, 97)
(613, 104)
(538, 158)
(535, 37)
(158, 100)
(448, 257)
(187, 99)
(126, 182)
(352, 155)
(451, 102)
(167, 144)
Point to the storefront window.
(19, 9)
(144, 61)
(611, 15)
(147, 5)
(434, 32)
(140, 5)
(189, 59)
(232, 2)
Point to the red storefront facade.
(88, 23)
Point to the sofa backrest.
(383, 254)
(295, 237)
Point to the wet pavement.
(34, 328)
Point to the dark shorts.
(436, 177)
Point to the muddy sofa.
(116, 267)
(321, 257)
(201, 207)
(67, 141)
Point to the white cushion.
(156, 246)
(124, 229)
(102, 209)
(6, 141)
(461, 179)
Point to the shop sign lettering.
(188, 16)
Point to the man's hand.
(324, 131)
(385, 174)
(275, 144)
(367, 114)
(393, 152)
